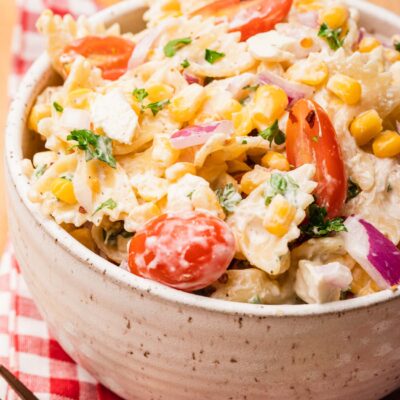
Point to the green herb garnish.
(190, 195)
(40, 170)
(95, 146)
(251, 88)
(279, 184)
(255, 300)
(315, 139)
(353, 190)
(110, 204)
(174, 45)
(228, 197)
(140, 94)
(213, 56)
(332, 36)
(397, 46)
(67, 177)
(185, 63)
(319, 225)
(157, 107)
(58, 107)
(273, 134)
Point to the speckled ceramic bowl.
(146, 341)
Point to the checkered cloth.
(26, 346)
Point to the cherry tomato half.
(249, 16)
(111, 54)
(311, 139)
(187, 251)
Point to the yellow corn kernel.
(232, 107)
(252, 179)
(307, 43)
(387, 145)
(362, 284)
(312, 74)
(347, 89)
(205, 198)
(145, 212)
(79, 98)
(63, 189)
(186, 104)
(279, 216)
(39, 111)
(366, 126)
(275, 160)
(270, 104)
(335, 17)
(84, 236)
(159, 92)
(243, 122)
(392, 55)
(308, 5)
(368, 44)
(164, 154)
(171, 5)
(179, 170)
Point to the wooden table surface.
(7, 19)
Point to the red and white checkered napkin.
(26, 346)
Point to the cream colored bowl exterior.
(145, 341)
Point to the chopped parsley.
(244, 141)
(315, 139)
(58, 107)
(332, 36)
(110, 236)
(95, 146)
(255, 300)
(319, 225)
(140, 94)
(185, 63)
(397, 46)
(157, 106)
(273, 134)
(110, 204)
(190, 195)
(228, 197)
(251, 88)
(279, 184)
(353, 190)
(67, 177)
(213, 56)
(174, 45)
(40, 170)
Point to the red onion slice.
(295, 91)
(199, 134)
(190, 79)
(376, 254)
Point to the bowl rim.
(13, 151)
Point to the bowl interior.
(22, 143)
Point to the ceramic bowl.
(145, 341)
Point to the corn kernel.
(312, 74)
(79, 98)
(179, 170)
(368, 44)
(275, 160)
(232, 107)
(270, 104)
(63, 189)
(186, 104)
(171, 5)
(163, 153)
(362, 284)
(205, 198)
(84, 236)
(366, 126)
(387, 145)
(347, 89)
(392, 55)
(307, 43)
(252, 179)
(335, 17)
(242, 122)
(279, 216)
(39, 112)
(159, 92)
(308, 5)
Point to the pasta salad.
(241, 150)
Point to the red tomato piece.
(187, 251)
(111, 54)
(311, 139)
(249, 16)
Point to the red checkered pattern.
(26, 346)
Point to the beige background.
(7, 19)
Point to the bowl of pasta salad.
(204, 196)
